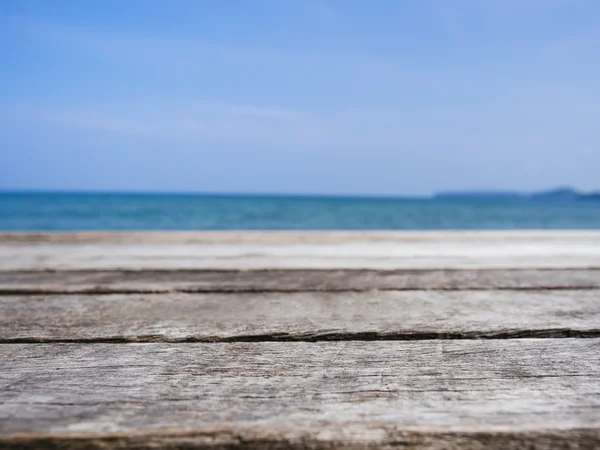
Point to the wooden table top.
(314, 340)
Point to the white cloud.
(237, 126)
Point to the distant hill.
(479, 195)
(591, 196)
(561, 194)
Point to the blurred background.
(299, 114)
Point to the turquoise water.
(29, 212)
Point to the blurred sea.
(58, 211)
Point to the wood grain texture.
(428, 394)
(162, 340)
(299, 316)
(166, 281)
(308, 250)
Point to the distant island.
(558, 194)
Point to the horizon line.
(208, 193)
(440, 193)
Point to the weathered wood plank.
(429, 394)
(299, 316)
(147, 281)
(247, 250)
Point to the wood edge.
(388, 437)
(281, 236)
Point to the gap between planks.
(553, 333)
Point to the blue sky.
(299, 96)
